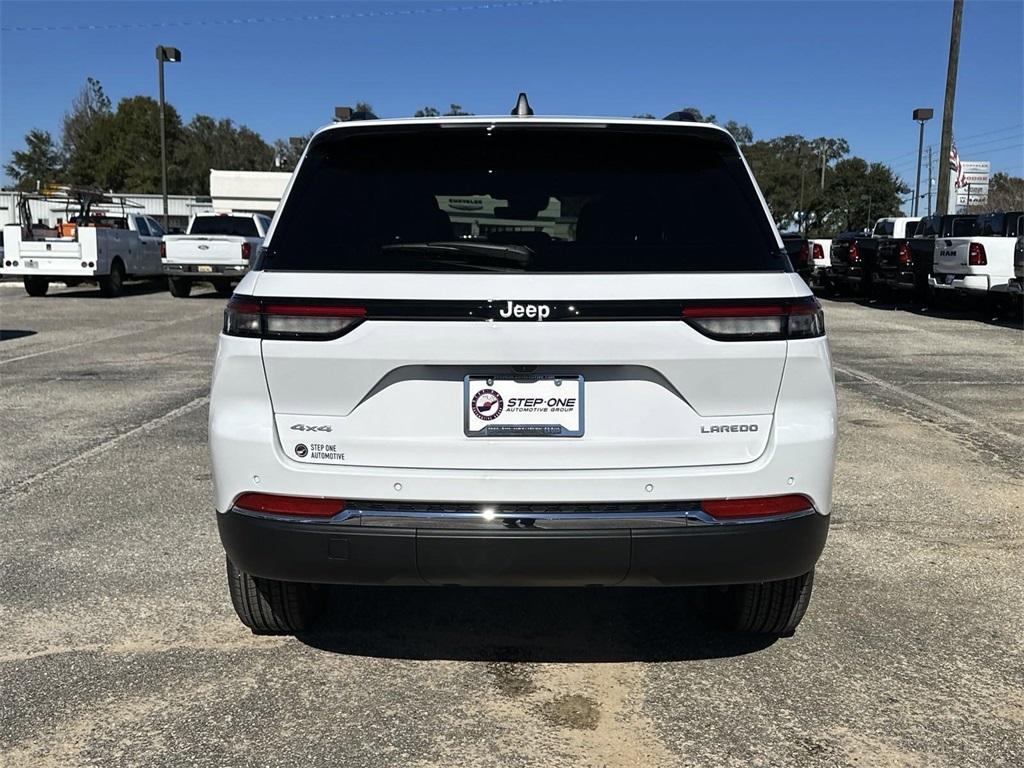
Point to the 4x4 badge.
(312, 427)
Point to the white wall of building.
(247, 190)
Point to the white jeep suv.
(522, 351)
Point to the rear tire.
(180, 287)
(223, 288)
(36, 286)
(772, 608)
(270, 607)
(112, 285)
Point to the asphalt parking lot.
(119, 646)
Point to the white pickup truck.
(821, 250)
(217, 249)
(105, 248)
(982, 265)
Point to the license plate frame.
(545, 427)
(205, 268)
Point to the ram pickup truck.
(1017, 284)
(217, 249)
(903, 264)
(980, 266)
(854, 256)
(102, 247)
(821, 272)
(799, 255)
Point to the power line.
(958, 139)
(972, 146)
(280, 19)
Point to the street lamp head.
(923, 113)
(166, 53)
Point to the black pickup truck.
(799, 254)
(903, 264)
(854, 255)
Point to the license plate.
(31, 263)
(204, 268)
(546, 406)
(949, 279)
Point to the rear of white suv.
(522, 351)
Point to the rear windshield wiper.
(486, 257)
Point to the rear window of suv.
(522, 199)
(237, 226)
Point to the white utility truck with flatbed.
(100, 242)
(217, 249)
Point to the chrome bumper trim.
(494, 520)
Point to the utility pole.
(942, 201)
(929, 179)
(824, 159)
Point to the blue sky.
(850, 69)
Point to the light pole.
(173, 55)
(921, 115)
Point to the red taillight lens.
(273, 319)
(818, 251)
(163, 250)
(904, 254)
(299, 506)
(765, 506)
(976, 257)
(795, 319)
(854, 253)
(246, 251)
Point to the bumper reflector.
(300, 506)
(765, 506)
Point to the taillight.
(854, 253)
(796, 319)
(818, 251)
(275, 319)
(163, 250)
(904, 254)
(976, 256)
(299, 506)
(246, 251)
(763, 506)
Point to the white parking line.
(106, 445)
(938, 408)
(149, 327)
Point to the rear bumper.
(965, 283)
(683, 555)
(903, 280)
(205, 271)
(847, 274)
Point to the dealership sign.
(972, 187)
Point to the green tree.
(454, 110)
(121, 151)
(740, 131)
(857, 193)
(287, 153)
(91, 104)
(40, 163)
(1005, 193)
(209, 143)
